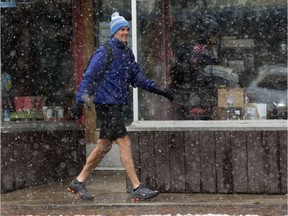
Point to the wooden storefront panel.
(271, 166)
(283, 160)
(147, 158)
(239, 162)
(21, 178)
(33, 158)
(213, 161)
(162, 161)
(255, 162)
(207, 162)
(223, 162)
(177, 161)
(37, 160)
(192, 162)
(7, 163)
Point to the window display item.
(230, 97)
(221, 113)
(223, 72)
(233, 114)
(6, 82)
(255, 111)
(59, 113)
(28, 108)
(6, 114)
(53, 113)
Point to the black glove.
(77, 109)
(164, 92)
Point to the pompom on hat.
(117, 22)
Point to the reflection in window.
(209, 52)
(276, 82)
(37, 55)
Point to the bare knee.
(125, 140)
(104, 146)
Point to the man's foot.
(79, 188)
(143, 193)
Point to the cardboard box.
(255, 111)
(232, 113)
(230, 97)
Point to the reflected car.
(270, 87)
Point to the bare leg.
(127, 159)
(103, 146)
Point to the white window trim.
(135, 51)
(216, 125)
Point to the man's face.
(122, 34)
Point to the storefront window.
(223, 60)
(36, 60)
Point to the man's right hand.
(76, 110)
(164, 92)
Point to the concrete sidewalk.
(111, 198)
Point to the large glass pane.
(36, 59)
(154, 56)
(224, 59)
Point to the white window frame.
(135, 51)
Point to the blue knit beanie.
(117, 22)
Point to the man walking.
(110, 85)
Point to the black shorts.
(111, 118)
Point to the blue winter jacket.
(112, 86)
